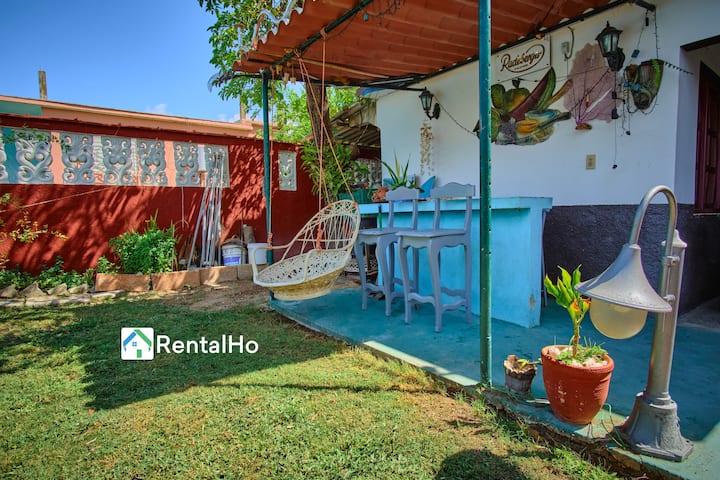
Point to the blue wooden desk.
(516, 248)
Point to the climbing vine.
(24, 229)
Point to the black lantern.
(426, 100)
(608, 41)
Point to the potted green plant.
(399, 175)
(519, 374)
(336, 174)
(361, 186)
(576, 376)
(398, 178)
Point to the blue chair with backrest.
(434, 240)
(385, 241)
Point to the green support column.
(267, 190)
(485, 191)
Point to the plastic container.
(260, 253)
(232, 253)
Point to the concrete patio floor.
(454, 354)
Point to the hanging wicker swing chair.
(312, 262)
(315, 258)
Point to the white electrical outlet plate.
(590, 161)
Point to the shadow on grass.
(354, 388)
(478, 463)
(91, 334)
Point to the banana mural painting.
(523, 117)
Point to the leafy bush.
(151, 251)
(56, 275)
(48, 278)
(15, 277)
(337, 171)
(106, 266)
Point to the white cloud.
(224, 118)
(160, 108)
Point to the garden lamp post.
(621, 299)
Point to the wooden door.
(707, 180)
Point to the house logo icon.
(137, 343)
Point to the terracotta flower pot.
(576, 393)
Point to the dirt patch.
(229, 294)
(219, 297)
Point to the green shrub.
(151, 251)
(106, 266)
(56, 275)
(337, 171)
(48, 278)
(15, 277)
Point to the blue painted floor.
(455, 354)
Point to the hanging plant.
(426, 136)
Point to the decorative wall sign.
(34, 158)
(187, 164)
(643, 81)
(26, 156)
(77, 156)
(287, 167)
(3, 159)
(523, 117)
(590, 97)
(521, 60)
(151, 159)
(117, 161)
(215, 158)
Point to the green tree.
(234, 26)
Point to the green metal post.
(267, 192)
(485, 191)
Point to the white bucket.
(260, 253)
(232, 254)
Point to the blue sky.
(141, 55)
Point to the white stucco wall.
(659, 148)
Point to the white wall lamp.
(426, 99)
(621, 299)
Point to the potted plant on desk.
(576, 377)
(398, 178)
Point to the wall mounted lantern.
(426, 99)
(608, 41)
(621, 299)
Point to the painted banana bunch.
(521, 116)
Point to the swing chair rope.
(270, 173)
(324, 192)
(313, 260)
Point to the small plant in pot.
(333, 174)
(519, 374)
(398, 178)
(576, 377)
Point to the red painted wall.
(91, 215)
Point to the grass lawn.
(303, 406)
